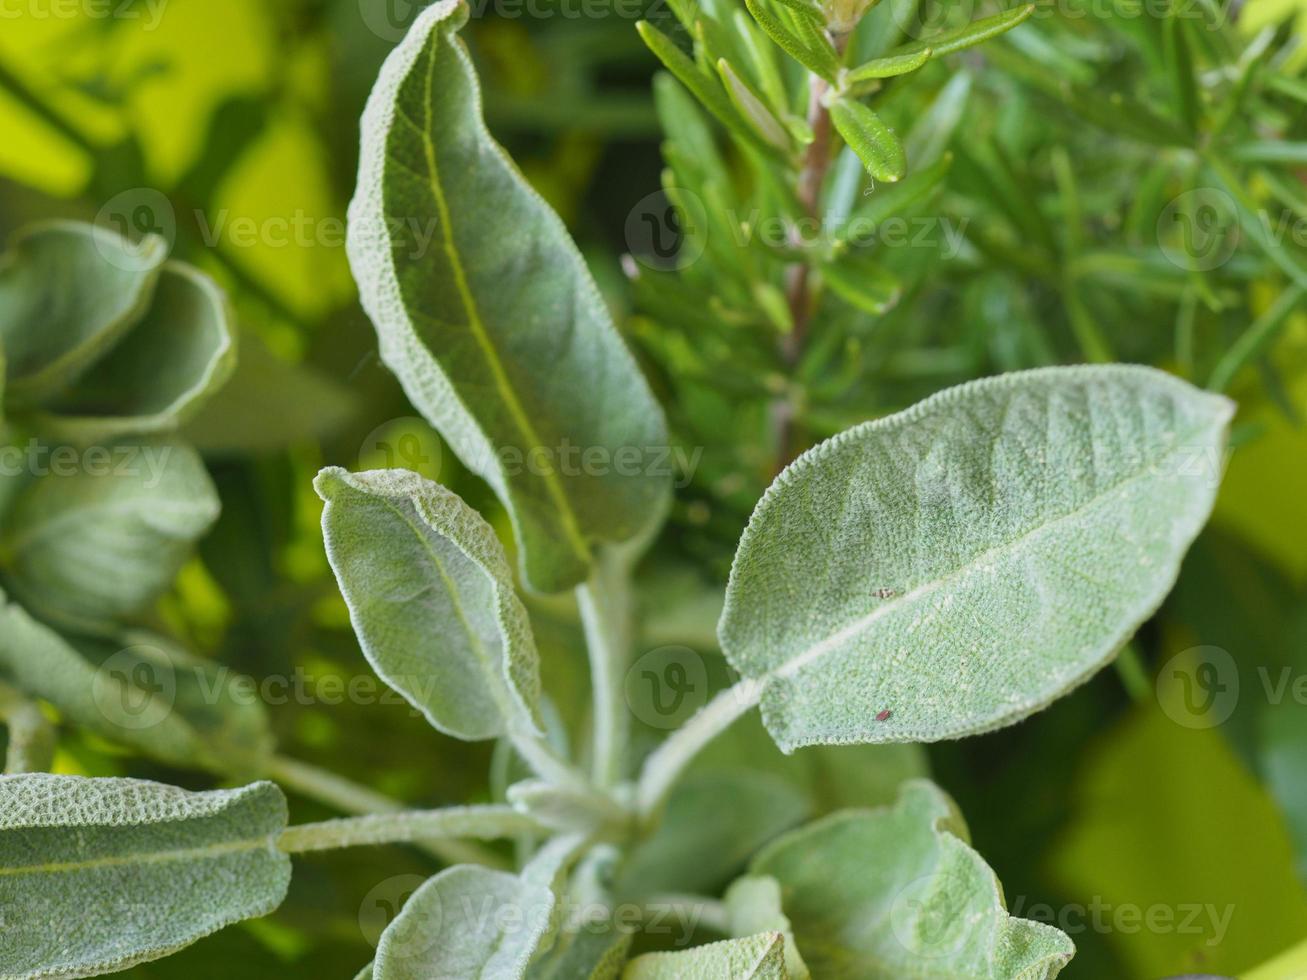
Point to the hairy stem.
(407, 827)
(605, 605)
(349, 797)
(31, 736)
(666, 763)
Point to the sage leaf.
(179, 353)
(867, 135)
(760, 957)
(927, 905)
(97, 875)
(969, 35)
(753, 905)
(101, 541)
(68, 292)
(494, 325)
(431, 597)
(582, 954)
(470, 921)
(140, 690)
(958, 566)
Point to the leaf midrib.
(208, 851)
(477, 326)
(836, 639)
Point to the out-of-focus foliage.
(1103, 181)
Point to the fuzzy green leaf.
(431, 597)
(99, 538)
(494, 324)
(753, 905)
(469, 921)
(160, 373)
(920, 903)
(99, 874)
(760, 957)
(68, 292)
(875, 143)
(953, 568)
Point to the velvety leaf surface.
(961, 564)
(100, 874)
(181, 351)
(897, 894)
(753, 905)
(432, 601)
(103, 541)
(470, 921)
(495, 327)
(68, 292)
(760, 957)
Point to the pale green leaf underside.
(180, 352)
(897, 894)
(470, 921)
(431, 597)
(954, 568)
(495, 327)
(760, 957)
(105, 541)
(68, 292)
(99, 874)
(753, 905)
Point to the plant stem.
(605, 605)
(699, 910)
(798, 292)
(1253, 341)
(349, 797)
(411, 826)
(665, 765)
(546, 763)
(1134, 676)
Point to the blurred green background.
(232, 127)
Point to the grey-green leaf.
(431, 597)
(897, 892)
(104, 531)
(487, 313)
(140, 690)
(99, 874)
(760, 957)
(160, 373)
(470, 921)
(867, 135)
(753, 905)
(68, 292)
(956, 567)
